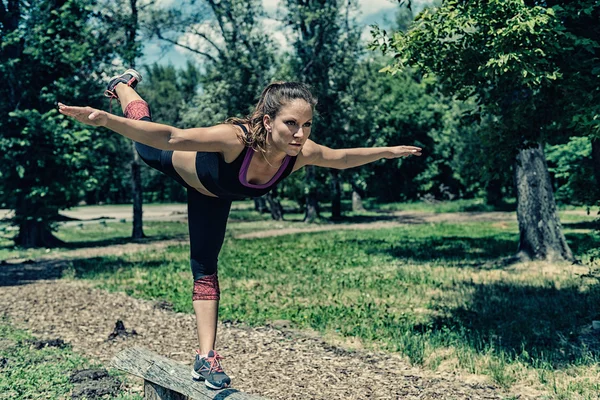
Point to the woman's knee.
(206, 288)
(137, 109)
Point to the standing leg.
(207, 221)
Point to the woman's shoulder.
(307, 154)
(232, 135)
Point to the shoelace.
(111, 95)
(215, 364)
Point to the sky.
(380, 12)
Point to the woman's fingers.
(86, 115)
(405, 151)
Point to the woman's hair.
(273, 98)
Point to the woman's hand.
(403, 151)
(86, 115)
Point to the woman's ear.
(267, 123)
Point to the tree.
(512, 57)
(327, 47)
(238, 55)
(168, 90)
(50, 50)
(127, 25)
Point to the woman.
(238, 159)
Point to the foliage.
(51, 50)
(326, 49)
(571, 166)
(238, 57)
(168, 91)
(516, 58)
(513, 58)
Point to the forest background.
(490, 84)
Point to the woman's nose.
(299, 133)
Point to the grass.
(435, 293)
(27, 373)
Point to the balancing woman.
(238, 159)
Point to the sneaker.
(210, 371)
(130, 77)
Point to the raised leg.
(126, 95)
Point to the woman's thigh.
(207, 222)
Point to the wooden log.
(165, 379)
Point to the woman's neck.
(273, 157)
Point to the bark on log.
(166, 379)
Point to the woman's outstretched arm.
(163, 137)
(322, 156)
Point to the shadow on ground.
(535, 323)
(469, 251)
(29, 272)
(461, 251)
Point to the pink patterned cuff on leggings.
(137, 109)
(207, 288)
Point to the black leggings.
(207, 216)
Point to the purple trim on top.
(246, 164)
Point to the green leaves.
(515, 57)
(51, 54)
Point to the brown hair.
(273, 98)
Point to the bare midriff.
(184, 163)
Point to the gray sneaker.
(210, 371)
(130, 77)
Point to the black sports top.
(228, 180)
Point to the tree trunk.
(540, 231)
(275, 206)
(336, 195)
(357, 204)
(312, 203)
(260, 204)
(33, 233)
(136, 194)
(493, 192)
(596, 160)
(136, 176)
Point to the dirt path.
(275, 363)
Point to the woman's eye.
(308, 125)
(290, 122)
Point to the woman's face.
(291, 127)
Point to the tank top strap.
(246, 133)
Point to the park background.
(477, 259)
